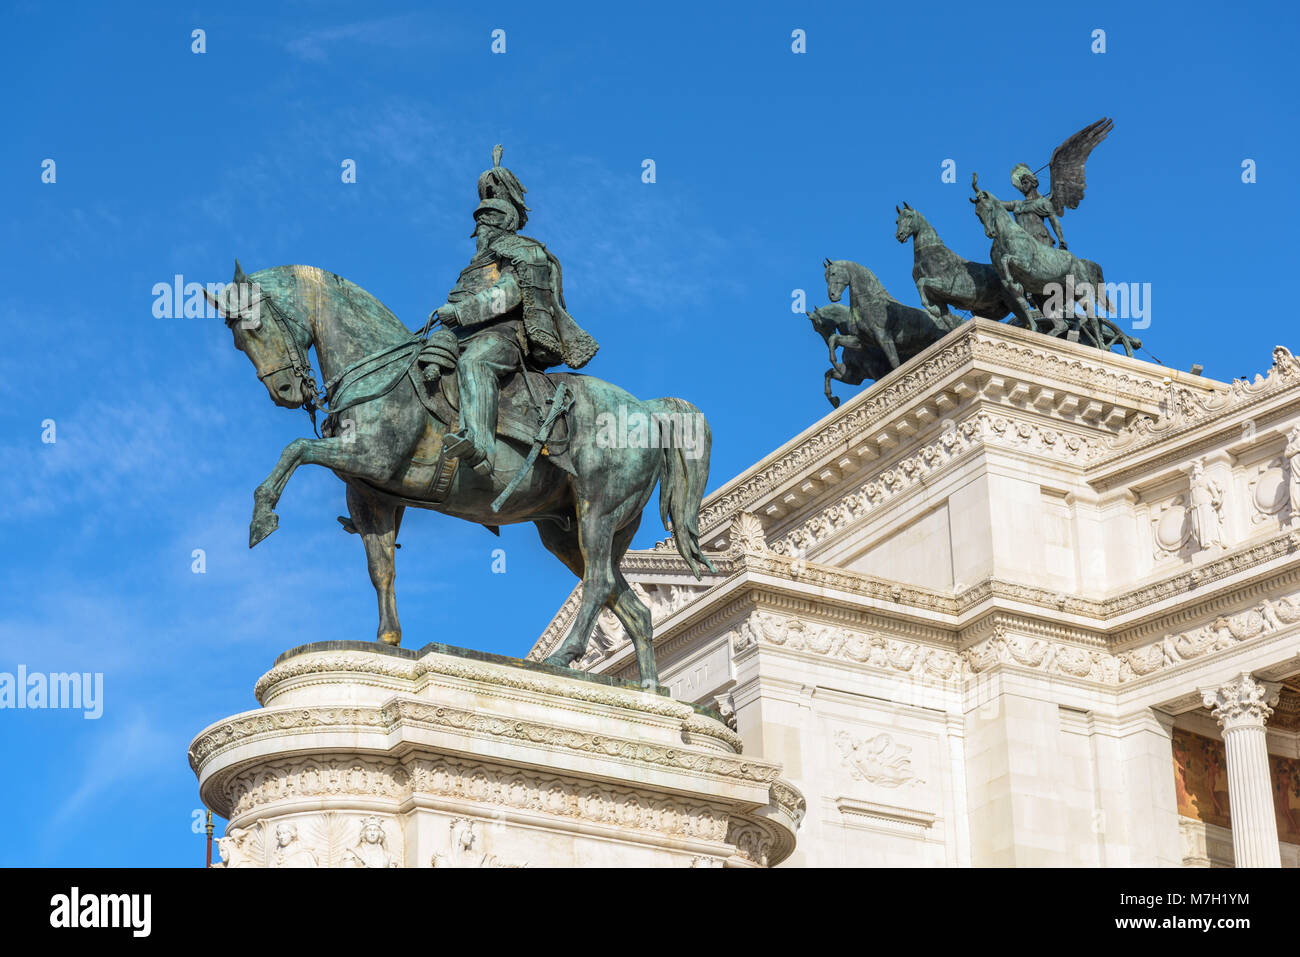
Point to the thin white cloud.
(405, 32)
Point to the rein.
(316, 398)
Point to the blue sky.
(172, 162)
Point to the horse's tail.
(686, 472)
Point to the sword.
(560, 403)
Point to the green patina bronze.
(881, 330)
(944, 279)
(464, 419)
(877, 332)
(1028, 268)
(857, 362)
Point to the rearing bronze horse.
(586, 502)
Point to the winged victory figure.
(1036, 210)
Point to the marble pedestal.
(368, 756)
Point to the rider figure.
(507, 311)
(1034, 208)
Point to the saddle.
(524, 400)
(532, 411)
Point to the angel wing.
(1067, 165)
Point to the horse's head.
(837, 277)
(908, 223)
(987, 207)
(829, 319)
(274, 342)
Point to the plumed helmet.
(498, 183)
(1022, 177)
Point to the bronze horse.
(877, 319)
(856, 363)
(944, 279)
(385, 445)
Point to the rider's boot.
(474, 442)
(460, 445)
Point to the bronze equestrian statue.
(540, 447)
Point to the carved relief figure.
(879, 760)
(463, 852)
(235, 849)
(288, 851)
(1292, 456)
(371, 849)
(1207, 508)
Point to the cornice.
(1066, 379)
(1184, 412)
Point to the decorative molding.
(871, 813)
(1003, 646)
(875, 650)
(511, 789)
(413, 711)
(406, 710)
(913, 471)
(1185, 410)
(753, 841)
(850, 422)
(362, 664)
(261, 723)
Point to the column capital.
(1245, 701)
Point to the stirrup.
(458, 445)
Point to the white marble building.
(1019, 603)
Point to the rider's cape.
(553, 335)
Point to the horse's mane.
(872, 280)
(298, 284)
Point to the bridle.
(299, 361)
(314, 398)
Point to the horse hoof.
(262, 526)
(556, 661)
(393, 638)
(835, 401)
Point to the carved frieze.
(482, 784)
(325, 839)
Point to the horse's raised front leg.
(831, 397)
(1017, 290)
(346, 453)
(1031, 315)
(832, 343)
(847, 342)
(924, 286)
(377, 519)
